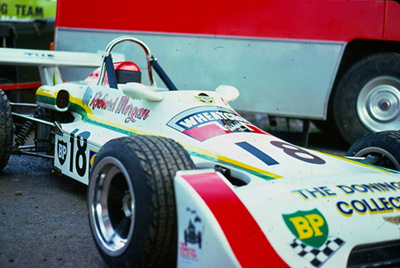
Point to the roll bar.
(107, 64)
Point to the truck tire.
(384, 147)
(6, 130)
(131, 201)
(367, 98)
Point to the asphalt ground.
(43, 217)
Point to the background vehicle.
(25, 24)
(324, 60)
(255, 199)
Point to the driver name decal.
(205, 122)
(118, 105)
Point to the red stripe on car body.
(248, 242)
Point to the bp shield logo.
(62, 151)
(308, 226)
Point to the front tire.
(6, 130)
(131, 201)
(367, 98)
(382, 147)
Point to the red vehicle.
(337, 61)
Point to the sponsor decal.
(369, 205)
(316, 256)
(118, 105)
(312, 240)
(191, 234)
(191, 239)
(204, 98)
(92, 154)
(102, 101)
(132, 112)
(361, 206)
(395, 220)
(39, 55)
(87, 96)
(205, 122)
(62, 151)
(308, 226)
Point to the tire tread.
(6, 130)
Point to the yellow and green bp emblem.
(309, 226)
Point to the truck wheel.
(367, 98)
(382, 148)
(6, 130)
(131, 200)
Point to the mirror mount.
(228, 93)
(140, 91)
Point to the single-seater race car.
(179, 178)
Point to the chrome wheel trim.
(382, 153)
(378, 104)
(112, 206)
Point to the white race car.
(178, 178)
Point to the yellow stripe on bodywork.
(46, 93)
(230, 161)
(359, 163)
(78, 102)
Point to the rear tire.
(131, 201)
(383, 146)
(367, 98)
(6, 130)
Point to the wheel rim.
(382, 154)
(378, 104)
(111, 206)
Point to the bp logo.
(62, 151)
(308, 226)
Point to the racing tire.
(6, 130)
(131, 201)
(383, 146)
(367, 98)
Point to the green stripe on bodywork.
(45, 99)
(116, 129)
(79, 110)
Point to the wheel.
(383, 149)
(367, 98)
(131, 200)
(6, 130)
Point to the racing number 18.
(80, 157)
(287, 148)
